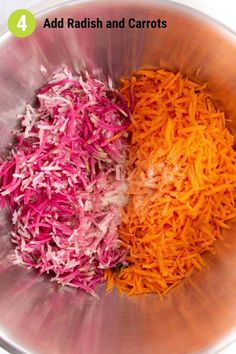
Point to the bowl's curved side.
(36, 316)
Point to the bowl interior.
(36, 315)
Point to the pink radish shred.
(64, 181)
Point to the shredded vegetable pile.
(97, 194)
(181, 181)
(64, 181)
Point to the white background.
(223, 10)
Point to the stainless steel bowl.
(200, 314)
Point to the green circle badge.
(21, 23)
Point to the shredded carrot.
(181, 181)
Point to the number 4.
(22, 23)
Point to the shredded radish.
(64, 180)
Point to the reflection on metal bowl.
(200, 314)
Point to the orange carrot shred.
(181, 182)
